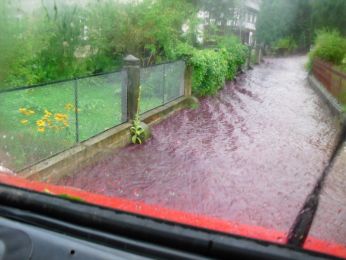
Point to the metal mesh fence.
(161, 84)
(174, 80)
(99, 104)
(36, 123)
(152, 83)
(40, 121)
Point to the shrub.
(235, 53)
(212, 67)
(285, 45)
(72, 41)
(236, 48)
(330, 46)
(68, 40)
(209, 71)
(232, 67)
(183, 51)
(343, 65)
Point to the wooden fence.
(333, 79)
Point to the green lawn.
(40, 122)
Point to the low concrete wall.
(338, 164)
(328, 98)
(90, 151)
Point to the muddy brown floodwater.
(251, 154)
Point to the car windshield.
(223, 115)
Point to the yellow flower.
(60, 117)
(27, 112)
(30, 112)
(22, 110)
(41, 129)
(66, 123)
(69, 106)
(47, 113)
(41, 123)
(24, 121)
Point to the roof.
(253, 4)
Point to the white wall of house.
(243, 18)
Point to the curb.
(328, 98)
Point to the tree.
(9, 39)
(329, 14)
(149, 29)
(299, 19)
(276, 20)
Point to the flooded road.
(330, 219)
(251, 154)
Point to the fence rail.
(37, 122)
(45, 84)
(333, 79)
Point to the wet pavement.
(330, 220)
(251, 154)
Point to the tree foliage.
(329, 46)
(65, 39)
(299, 20)
(329, 15)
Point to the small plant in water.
(137, 130)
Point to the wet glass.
(239, 107)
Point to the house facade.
(240, 20)
(247, 25)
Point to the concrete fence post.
(188, 81)
(248, 65)
(261, 54)
(257, 55)
(131, 93)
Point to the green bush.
(235, 53)
(209, 71)
(343, 65)
(330, 46)
(63, 40)
(285, 46)
(183, 51)
(236, 49)
(212, 67)
(54, 44)
(232, 67)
